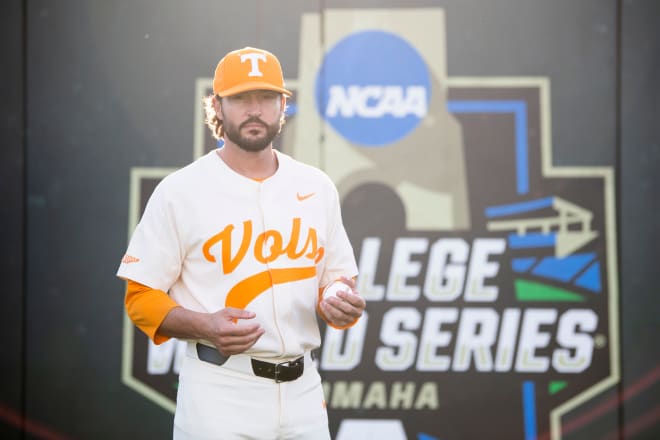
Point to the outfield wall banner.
(489, 273)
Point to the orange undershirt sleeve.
(147, 308)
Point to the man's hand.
(231, 336)
(345, 308)
(224, 328)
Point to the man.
(245, 240)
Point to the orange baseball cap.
(248, 69)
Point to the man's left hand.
(345, 308)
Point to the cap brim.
(253, 86)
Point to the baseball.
(335, 287)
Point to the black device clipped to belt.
(282, 372)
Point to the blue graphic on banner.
(563, 269)
(522, 264)
(590, 279)
(519, 110)
(529, 410)
(373, 88)
(519, 208)
(532, 240)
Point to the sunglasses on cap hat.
(248, 69)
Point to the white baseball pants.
(229, 402)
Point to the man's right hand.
(226, 328)
(229, 335)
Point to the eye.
(268, 95)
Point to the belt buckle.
(277, 371)
(276, 378)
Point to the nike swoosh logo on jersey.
(302, 197)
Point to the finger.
(353, 299)
(339, 304)
(341, 310)
(329, 312)
(238, 344)
(335, 316)
(243, 330)
(349, 281)
(232, 313)
(234, 349)
(229, 341)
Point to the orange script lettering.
(268, 246)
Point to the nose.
(253, 106)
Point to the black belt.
(282, 372)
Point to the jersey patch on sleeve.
(129, 259)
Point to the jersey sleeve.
(339, 257)
(155, 254)
(147, 308)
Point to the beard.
(251, 143)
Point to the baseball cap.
(248, 69)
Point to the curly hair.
(215, 123)
(212, 121)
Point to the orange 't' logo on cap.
(248, 69)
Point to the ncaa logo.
(373, 88)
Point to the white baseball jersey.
(213, 238)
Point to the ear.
(217, 105)
(282, 103)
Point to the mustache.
(252, 120)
